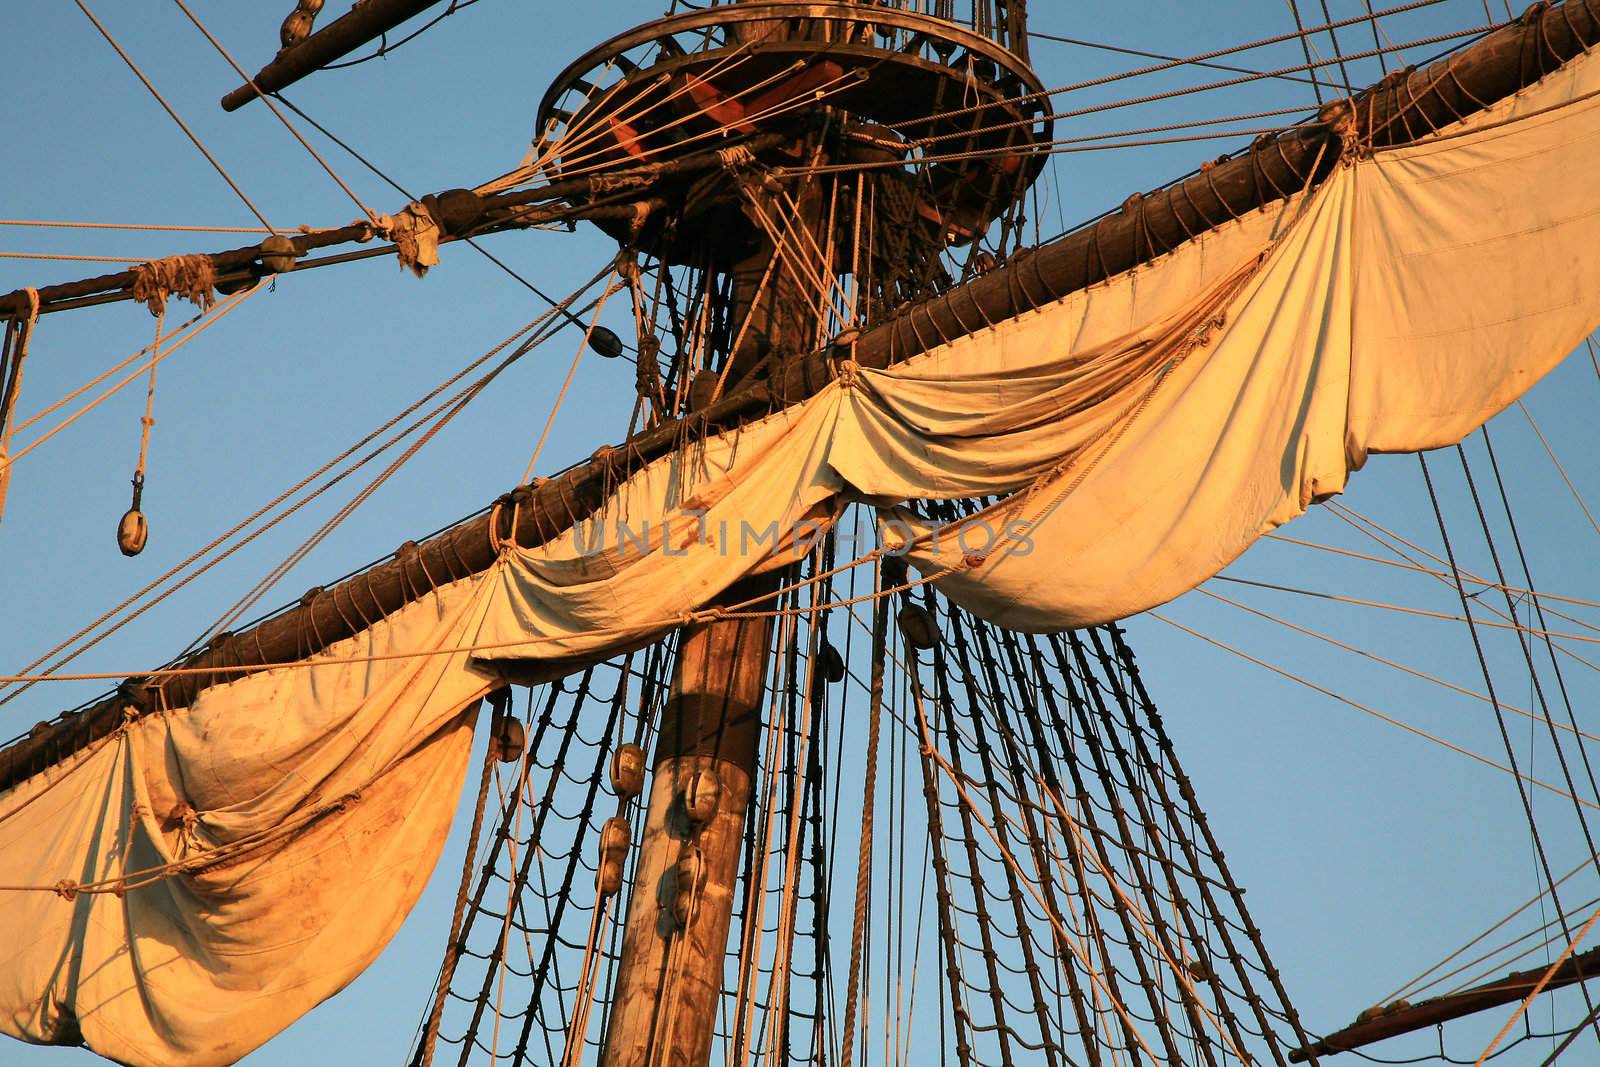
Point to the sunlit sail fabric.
(1145, 431)
(270, 839)
(1424, 289)
(1139, 434)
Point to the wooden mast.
(669, 979)
(674, 947)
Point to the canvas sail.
(214, 871)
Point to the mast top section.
(935, 90)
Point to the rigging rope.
(221, 310)
(131, 226)
(1500, 722)
(82, 6)
(1420, 612)
(1215, 54)
(383, 176)
(1527, 655)
(266, 99)
(1561, 470)
(453, 944)
(1391, 720)
(1101, 46)
(229, 534)
(1534, 595)
(1305, 45)
(1423, 675)
(588, 333)
(1538, 606)
(439, 419)
(1537, 989)
(880, 640)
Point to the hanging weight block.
(627, 771)
(278, 254)
(132, 532)
(615, 836)
(701, 796)
(605, 342)
(830, 663)
(507, 737)
(918, 627)
(689, 879)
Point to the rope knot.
(1339, 116)
(183, 818)
(136, 698)
(67, 889)
(849, 372)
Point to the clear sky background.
(1368, 852)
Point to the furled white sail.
(1424, 289)
(1140, 434)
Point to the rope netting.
(1041, 884)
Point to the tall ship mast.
(801, 723)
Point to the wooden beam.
(460, 213)
(1406, 1018)
(366, 22)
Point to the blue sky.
(1368, 852)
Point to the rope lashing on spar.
(739, 155)
(12, 356)
(611, 184)
(192, 277)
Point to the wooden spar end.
(366, 22)
(1512, 988)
